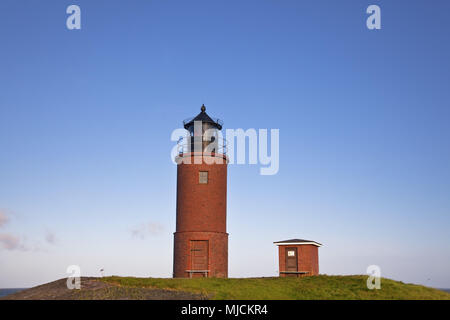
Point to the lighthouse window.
(203, 177)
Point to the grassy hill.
(317, 287)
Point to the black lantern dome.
(205, 119)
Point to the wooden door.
(291, 262)
(199, 258)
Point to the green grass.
(317, 287)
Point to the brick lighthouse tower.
(201, 239)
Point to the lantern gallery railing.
(190, 144)
(215, 120)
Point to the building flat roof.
(297, 242)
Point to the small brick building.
(298, 257)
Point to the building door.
(291, 262)
(199, 258)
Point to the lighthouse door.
(291, 262)
(199, 258)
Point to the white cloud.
(147, 229)
(3, 218)
(11, 242)
(50, 237)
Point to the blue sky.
(86, 117)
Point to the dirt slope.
(93, 288)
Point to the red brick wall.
(307, 258)
(201, 207)
(218, 253)
(201, 215)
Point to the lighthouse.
(201, 238)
